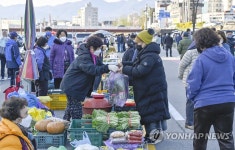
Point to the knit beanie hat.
(146, 36)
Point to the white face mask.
(97, 52)
(46, 47)
(63, 38)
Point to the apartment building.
(88, 15)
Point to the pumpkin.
(55, 127)
(42, 125)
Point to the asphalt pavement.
(176, 136)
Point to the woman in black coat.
(78, 80)
(150, 86)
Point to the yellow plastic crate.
(59, 102)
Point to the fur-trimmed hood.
(58, 41)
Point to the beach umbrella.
(29, 70)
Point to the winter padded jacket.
(78, 79)
(149, 84)
(57, 57)
(10, 135)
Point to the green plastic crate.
(77, 127)
(45, 140)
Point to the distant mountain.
(106, 11)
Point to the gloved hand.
(113, 68)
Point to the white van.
(81, 36)
(70, 36)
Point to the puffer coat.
(149, 84)
(10, 135)
(57, 57)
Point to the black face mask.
(139, 47)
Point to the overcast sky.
(43, 2)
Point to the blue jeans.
(3, 64)
(12, 73)
(189, 112)
(121, 48)
(161, 125)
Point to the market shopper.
(168, 41)
(61, 56)
(149, 86)
(223, 40)
(43, 67)
(211, 92)
(13, 59)
(184, 44)
(230, 41)
(100, 57)
(185, 67)
(130, 54)
(77, 82)
(14, 136)
(3, 41)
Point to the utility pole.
(194, 13)
(146, 16)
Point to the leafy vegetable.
(117, 85)
(113, 119)
(127, 120)
(102, 120)
(134, 120)
(99, 120)
(87, 116)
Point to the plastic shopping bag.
(117, 86)
(87, 147)
(85, 140)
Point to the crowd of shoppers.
(212, 94)
(209, 96)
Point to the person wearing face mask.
(12, 134)
(149, 86)
(13, 59)
(230, 41)
(78, 80)
(61, 56)
(43, 67)
(100, 57)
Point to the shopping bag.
(85, 140)
(117, 86)
(10, 90)
(87, 147)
